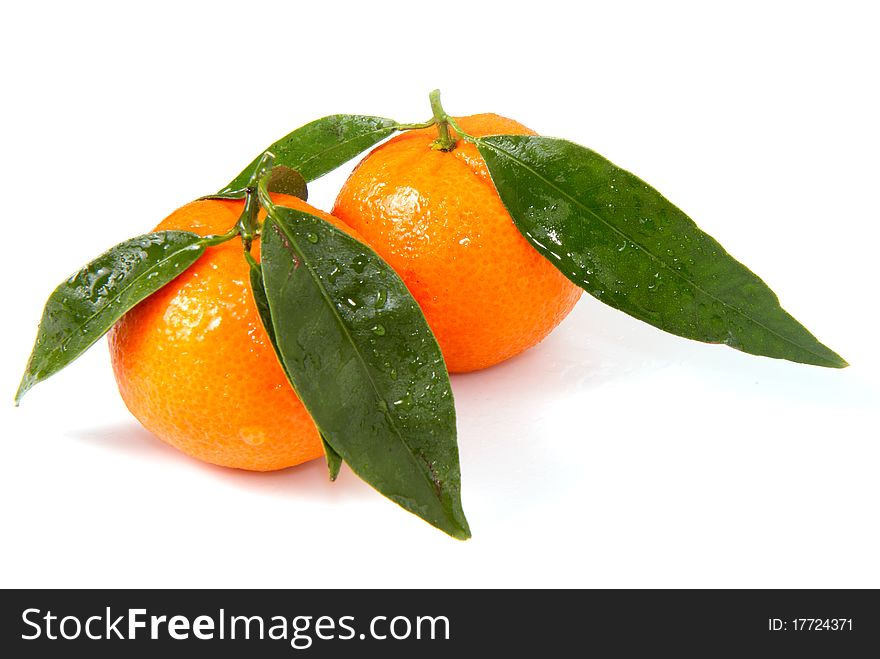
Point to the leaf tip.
(458, 527)
(463, 534)
(27, 381)
(334, 460)
(830, 359)
(839, 362)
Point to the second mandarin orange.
(437, 219)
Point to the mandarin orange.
(437, 219)
(194, 364)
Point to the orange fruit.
(436, 218)
(195, 366)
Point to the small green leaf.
(621, 241)
(334, 460)
(320, 146)
(83, 308)
(288, 181)
(282, 179)
(361, 357)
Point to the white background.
(611, 455)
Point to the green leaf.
(262, 304)
(621, 241)
(288, 181)
(321, 146)
(361, 357)
(83, 308)
(282, 179)
(334, 460)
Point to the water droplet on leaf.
(359, 263)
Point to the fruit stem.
(248, 224)
(218, 238)
(467, 136)
(425, 124)
(252, 262)
(262, 192)
(444, 141)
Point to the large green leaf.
(361, 357)
(262, 304)
(319, 147)
(621, 241)
(83, 308)
(334, 461)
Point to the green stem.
(444, 141)
(466, 136)
(252, 262)
(217, 238)
(247, 223)
(425, 124)
(263, 193)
